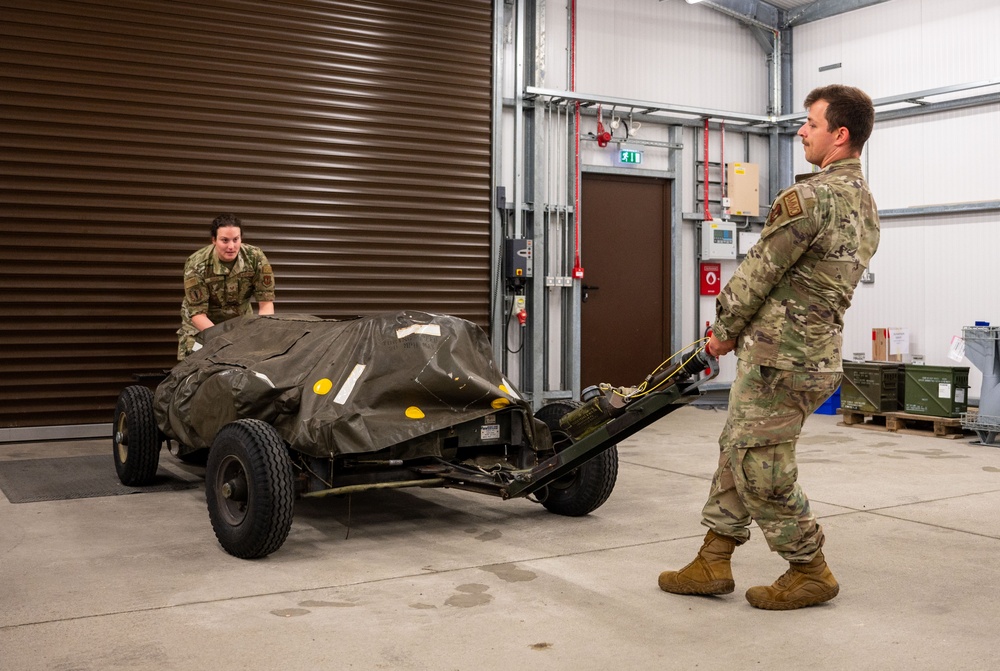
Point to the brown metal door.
(625, 251)
(352, 138)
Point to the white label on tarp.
(489, 432)
(265, 379)
(422, 329)
(944, 390)
(348, 386)
(509, 388)
(957, 350)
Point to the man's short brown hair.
(848, 107)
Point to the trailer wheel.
(586, 488)
(249, 488)
(136, 438)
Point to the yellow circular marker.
(413, 412)
(323, 386)
(500, 403)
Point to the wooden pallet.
(904, 422)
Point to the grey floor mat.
(56, 479)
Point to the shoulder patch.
(775, 213)
(792, 204)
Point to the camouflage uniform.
(212, 288)
(785, 306)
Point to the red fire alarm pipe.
(577, 268)
(708, 215)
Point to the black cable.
(506, 329)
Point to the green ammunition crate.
(939, 391)
(872, 386)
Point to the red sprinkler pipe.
(708, 215)
(722, 162)
(577, 268)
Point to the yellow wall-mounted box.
(744, 189)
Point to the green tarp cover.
(334, 387)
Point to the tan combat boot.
(801, 585)
(709, 573)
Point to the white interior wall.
(935, 159)
(933, 274)
(900, 46)
(698, 309)
(669, 52)
(665, 52)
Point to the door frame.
(676, 247)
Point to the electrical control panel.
(518, 263)
(718, 240)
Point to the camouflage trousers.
(757, 477)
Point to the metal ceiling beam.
(951, 208)
(764, 37)
(919, 103)
(917, 98)
(786, 123)
(946, 106)
(768, 17)
(646, 107)
(751, 12)
(824, 9)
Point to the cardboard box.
(889, 344)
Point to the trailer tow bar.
(597, 426)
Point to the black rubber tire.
(135, 438)
(250, 489)
(586, 488)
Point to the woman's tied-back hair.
(223, 220)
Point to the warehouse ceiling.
(782, 14)
(793, 4)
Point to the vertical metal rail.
(519, 158)
(676, 243)
(575, 294)
(496, 167)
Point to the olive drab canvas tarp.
(336, 387)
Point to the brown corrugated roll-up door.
(352, 138)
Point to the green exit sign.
(629, 156)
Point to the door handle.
(587, 288)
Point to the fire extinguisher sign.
(711, 279)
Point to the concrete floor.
(436, 579)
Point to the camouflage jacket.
(786, 301)
(221, 293)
